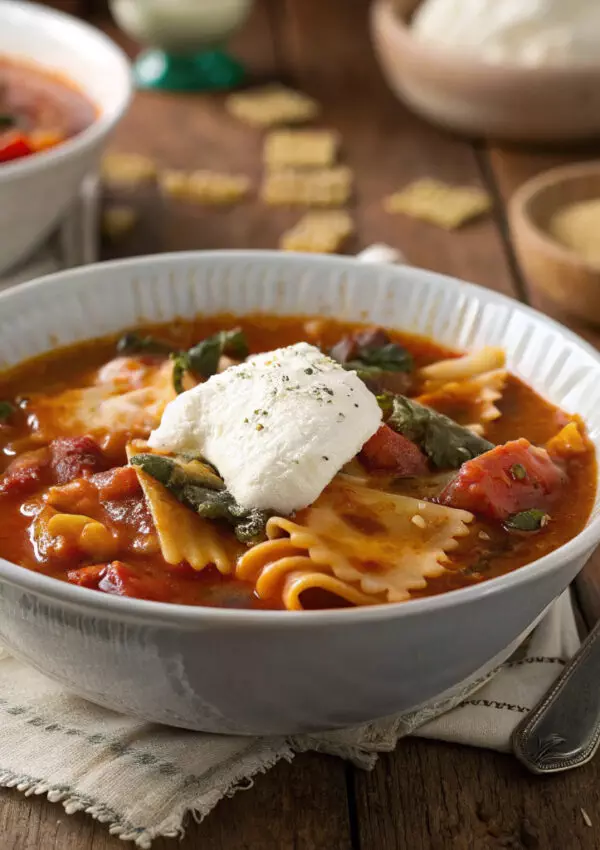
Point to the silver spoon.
(563, 730)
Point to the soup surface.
(38, 110)
(445, 470)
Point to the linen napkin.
(142, 779)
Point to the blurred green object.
(207, 70)
(185, 41)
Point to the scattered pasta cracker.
(300, 148)
(127, 169)
(204, 187)
(318, 232)
(118, 221)
(431, 200)
(323, 187)
(272, 105)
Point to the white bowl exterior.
(281, 672)
(36, 192)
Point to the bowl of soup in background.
(35, 191)
(268, 671)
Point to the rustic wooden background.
(426, 795)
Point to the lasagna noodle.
(454, 369)
(363, 545)
(470, 402)
(182, 534)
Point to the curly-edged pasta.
(470, 402)
(279, 569)
(54, 531)
(470, 365)
(182, 534)
(378, 545)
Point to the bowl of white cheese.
(522, 71)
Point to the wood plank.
(509, 168)
(435, 796)
(297, 806)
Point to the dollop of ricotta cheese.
(277, 427)
(526, 32)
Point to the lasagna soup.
(282, 463)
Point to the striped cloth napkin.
(142, 779)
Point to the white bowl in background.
(240, 671)
(463, 92)
(37, 190)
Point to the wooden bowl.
(560, 273)
(466, 94)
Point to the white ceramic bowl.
(36, 191)
(279, 671)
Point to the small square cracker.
(300, 148)
(318, 232)
(118, 221)
(127, 170)
(321, 187)
(271, 105)
(204, 187)
(439, 203)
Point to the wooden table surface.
(426, 795)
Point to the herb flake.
(518, 472)
(530, 520)
(6, 410)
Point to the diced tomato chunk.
(122, 579)
(87, 576)
(391, 452)
(508, 479)
(116, 484)
(25, 472)
(14, 145)
(73, 457)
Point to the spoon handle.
(563, 730)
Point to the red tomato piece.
(391, 452)
(117, 484)
(14, 145)
(73, 457)
(25, 472)
(122, 579)
(87, 576)
(508, 479)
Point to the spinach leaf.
(197, 486)
(446, 443)
(389, 358)
(177, 472)
(134, 343)
(531, 520)
(6, 410)
(203, 358)
(371, 353)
